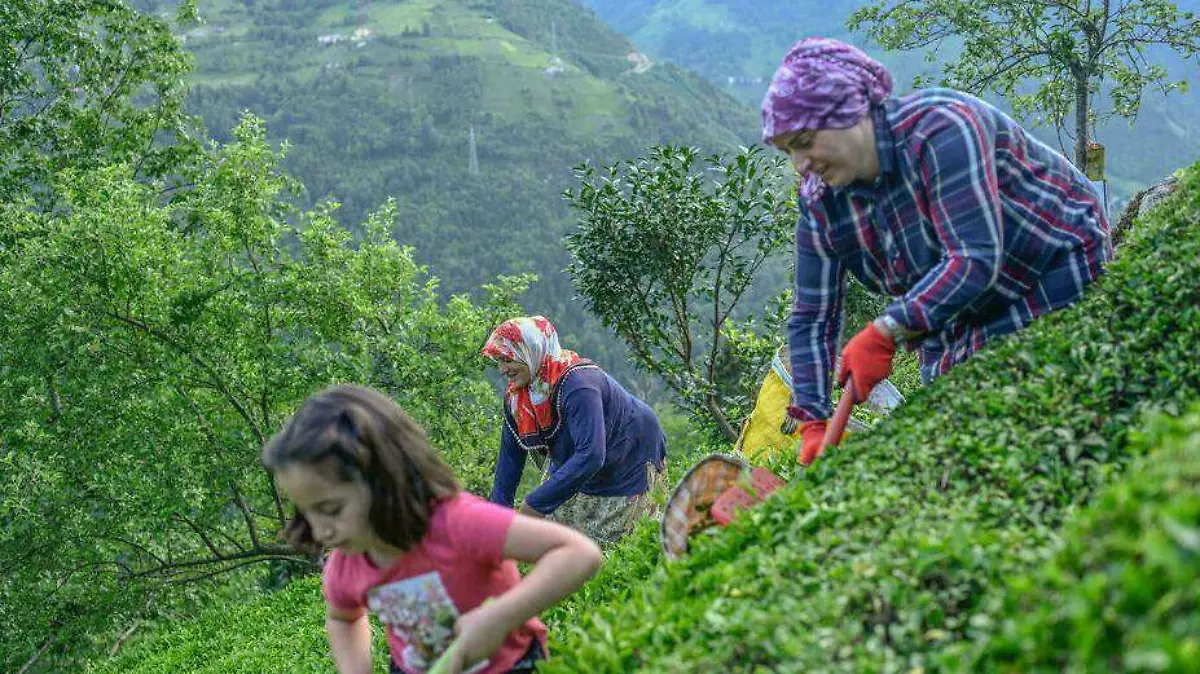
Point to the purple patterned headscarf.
(822, 84)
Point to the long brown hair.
(361, 434)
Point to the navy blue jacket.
(599, 443)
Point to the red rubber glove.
(813, 443)
(868, 358)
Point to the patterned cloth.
(975, 227)
(607, 519)
(533, 341)
(821, 84)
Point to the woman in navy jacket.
(600, 445)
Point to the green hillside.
(379, 99)
(738, 43)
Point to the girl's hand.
(481, 631)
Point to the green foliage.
(83, 84)
(148, 351)
(1122, 594)
(666, 251)
(1068, 49)
(891, 552)
(278, 633)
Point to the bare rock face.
(1142, 203)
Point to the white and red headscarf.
(531, 340)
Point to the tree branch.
(199, 532)
(249, 556)
(214, 379)
(38, 655)
(251, 525)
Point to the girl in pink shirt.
(412, 547)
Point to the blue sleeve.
(584, 412)
(509, 466)
(816, 319)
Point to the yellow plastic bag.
(761, 435)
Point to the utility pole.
(554, 38)
(473, 163)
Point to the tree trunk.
(1081, 120)
(719, 416)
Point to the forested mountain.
(738, 43)
(380, 99)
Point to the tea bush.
(1123, 592)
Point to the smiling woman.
(603, 445)
(935, 199)
(837, 157)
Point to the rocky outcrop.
(1142, 203)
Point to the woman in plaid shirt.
(936, 199)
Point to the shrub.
(1123, 592)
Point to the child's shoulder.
(466, 521)
(340, 566)
(345, 578)
(464, 507)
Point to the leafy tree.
(668, 246)
(1079, 52)
(149, 349)
(84, 83)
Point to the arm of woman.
(563, 561)
(584, 412)
(509, 466)
(349, 640)
(816, 319)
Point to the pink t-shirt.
(456, 566)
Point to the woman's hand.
(867, 358)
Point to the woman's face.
(515, 371)
(838, 156)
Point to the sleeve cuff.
(797, 412)
(908, 318)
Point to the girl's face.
(515, 371)
(838, 156)
(338, 511)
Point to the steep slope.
(379, 99)
(896, 553)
